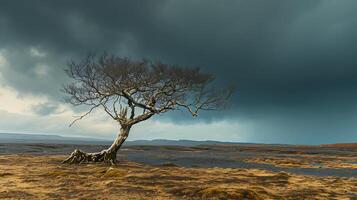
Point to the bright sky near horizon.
(293, 63)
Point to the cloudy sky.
(294, 64)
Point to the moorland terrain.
(227, 171)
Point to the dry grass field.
(43, 177)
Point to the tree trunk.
(107, 156)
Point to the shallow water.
(218, 159)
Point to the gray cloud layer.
(293, 62)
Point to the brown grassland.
(43, 177)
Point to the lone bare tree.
(133, 91)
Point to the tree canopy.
(131, 91)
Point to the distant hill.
(56, 139)
(162, 142)
(47, 139)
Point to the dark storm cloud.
(293, 62)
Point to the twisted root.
(79, 157)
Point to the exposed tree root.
(79, 157)
(108, 156)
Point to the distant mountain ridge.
(42, 138)
(163, 142)
(56, 139)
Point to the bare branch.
(153, 87)
(141, 105)
(82, 116)
(140, 118)
(194, 113)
